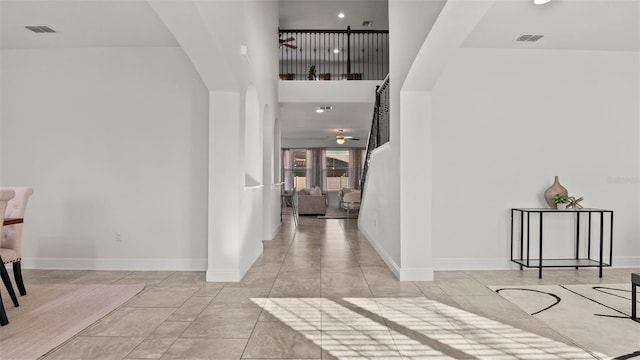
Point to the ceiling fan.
(283, 42)
(341, 138)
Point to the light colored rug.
(335, 213)
(49, 315)
(596, 317)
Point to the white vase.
(561, 206)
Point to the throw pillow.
(316, 191)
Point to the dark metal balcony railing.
(334, 54)
(379, 133)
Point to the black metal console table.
(577, 261)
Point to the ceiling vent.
(325, 107)
(529, 37)
(367, 23)
(40, 29)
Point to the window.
(337, 169)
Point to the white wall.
(379, 212)
(114, 142)
(235, 237)
(409, 24)
(505, 122)
(361, 91)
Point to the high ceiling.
(82, 24)
(323, 14)
(607, 25)
(301, 125)
(600, 25)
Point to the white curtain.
(317, 168)
(356, 163)
(287, 169)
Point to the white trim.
(244, 268)
(506, 264)
(222, 275)
(275, 232)
(626, 261)
(395, 269)
(419, 274)
(473, 264)
(416, 274)
(252, 187)
(115, 264)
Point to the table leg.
(540, 254)
(577, 236)
(589, 238)
(634, 304)
(601, 240)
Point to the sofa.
(312, 202)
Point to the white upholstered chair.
(351, 201)
(5, 196)
(11, 246)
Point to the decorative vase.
(554, 190)
(561, 206)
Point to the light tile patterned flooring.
(320, 291)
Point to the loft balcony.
(334, 54)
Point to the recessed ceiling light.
(336, 50)
(341, 15)
(319, 110)
(540, 2)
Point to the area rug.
(334, 213)
(49, 315)
(596, 317)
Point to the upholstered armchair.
(341, 194)
(351, 201)
(5, 196)
(11, 246)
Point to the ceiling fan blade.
(288, 39)
(290, 46)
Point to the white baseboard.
(275, 231)
(473, 264)
(416, 274)
(506, 264)
(223, 275)
(395, 269)
(400, 273)
(115, 264)
(626, 261)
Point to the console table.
(524, 258)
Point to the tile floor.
(320, 291)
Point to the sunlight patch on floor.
(410, 328)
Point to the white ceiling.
(323, 14)
(601, 25)
(82, 24)
(302, 123)
(565, 24)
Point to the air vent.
(40, 29)
(325, 107)
(367, 23)
(529, 37)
